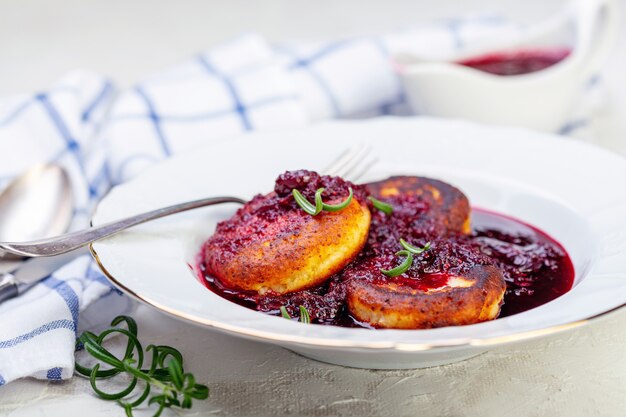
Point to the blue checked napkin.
(103, 139)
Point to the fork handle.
(68, 242)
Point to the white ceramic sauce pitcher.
(541, 100)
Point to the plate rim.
(308, 341)
(282, 339)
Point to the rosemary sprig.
(403, 267)
(409, 251)
(316, 209)
(340, 206)
(304, 204)
(165, 373)
(379, 205)
(284, 313)
(305, 317)
(414, 249)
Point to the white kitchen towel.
(37, 329)
(248, 84)
(241, 85)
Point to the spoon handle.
(71, 241)
(8, 287)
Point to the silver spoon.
(37, 204)
(348, 164)
(71, 241)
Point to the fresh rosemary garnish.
(304, 314)
(384, 207)
(414, 249)
(316, 209)
(338, 207)
(304, 204)
(166, 372)
(284, 313)
(409, 251)
(403, 267)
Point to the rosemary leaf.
(284, 313)
(414, 249)
(304, 315)
(167, 378)
(340, 206)
(403, 267)
(379, 205)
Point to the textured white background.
(581, 373)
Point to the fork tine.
(354, 163)
(331, 168)
(366, 166)
(337, 166)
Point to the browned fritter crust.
(290, 252)
(476, 298)
(447, 204)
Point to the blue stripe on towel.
(71, 144)
(572, 126)
(67, 293)
(54, 374)
(102, 177)
(328, 91)
(45, 328)
(32, 100)
(200, 117)
(239, 107)
(322, 52)
(94, 274)
(305, 63)
(2, 381)
(104, 92)
(156, 121)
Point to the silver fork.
(351, 164)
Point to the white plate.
(571, 190)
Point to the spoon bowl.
(37, 204)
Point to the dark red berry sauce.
(536, 268)
(517, 62)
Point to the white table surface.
(580, 373)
